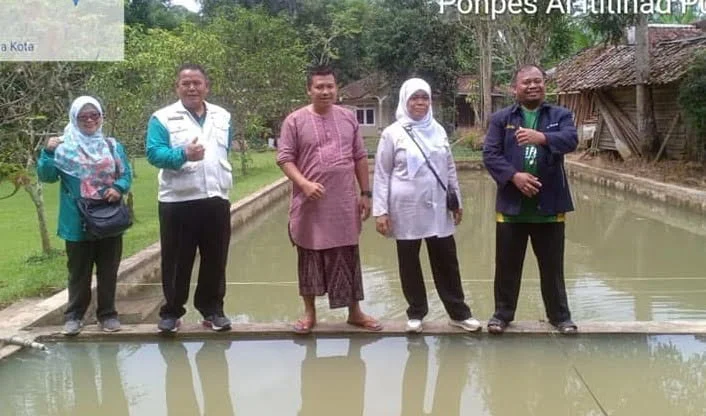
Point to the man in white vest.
(189, 142)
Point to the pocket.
(178, 134)
(220, 131)
(181, 181)
(225, 177)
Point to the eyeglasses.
(94, 116)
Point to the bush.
(472, 138)
(692, 99)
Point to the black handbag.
(101, 218)
(452, 202)
(104, 219)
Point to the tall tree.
(159, 14)
(33, 106)
(263, 70)
(410, 38)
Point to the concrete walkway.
(148, 332)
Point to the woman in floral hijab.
(87, 165)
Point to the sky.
(189, 4)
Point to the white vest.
(210, 177)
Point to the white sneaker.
(470, 324)
(414, 325)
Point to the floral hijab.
(87, 157)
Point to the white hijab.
(427, 131)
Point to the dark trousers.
(82, 255)
(444, 268)
(548, 246)
(184, 227)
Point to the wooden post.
(643, 97)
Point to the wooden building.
(598, 85)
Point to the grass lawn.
(25, 273)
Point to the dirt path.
(690, 174)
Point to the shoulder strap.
(410, 132)
(115, 158)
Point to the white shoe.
(470, 324)
(414, 325)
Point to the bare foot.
(364, 321)
(305, 324)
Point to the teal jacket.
(70, 227)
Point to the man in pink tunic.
(321, 151)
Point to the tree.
(539, 39)
(263, 70)
(158, 14)
(133, 89)
(692, 100)
(33, 106)
(411, 38)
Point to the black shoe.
(496, 325)
(217, 322)
(169, 324)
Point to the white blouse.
(415, 205)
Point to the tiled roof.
(370, 86)
(614, 66)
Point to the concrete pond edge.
(36, 321)
(141, 267)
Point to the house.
(374, 103)
(369, 98)
(468, 85)
(599, 86)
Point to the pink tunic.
(324, 149)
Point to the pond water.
(626, 259)
(445, 376)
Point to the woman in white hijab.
(88, 165)
(409, 204)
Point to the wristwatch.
(366, 193)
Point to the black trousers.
(82, 255)
(184, 227)
(444, 268)
(548, 246)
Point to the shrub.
(692, 99)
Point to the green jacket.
(70, 227)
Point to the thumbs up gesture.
(194, 151)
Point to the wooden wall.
(666, 108)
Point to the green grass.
(462, 151)
(466, 153)
(24, 272)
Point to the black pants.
(82, 255)
(444, 268)
(184, 227)
(548, 246)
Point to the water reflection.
(79, 380)
(452, 376)
(448, 376)
(94, 370)
(655, 375)
(532, 377)
(327, 382)
(212, 368)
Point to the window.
(365, 115)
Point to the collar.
(198, 119)
(517, 108)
